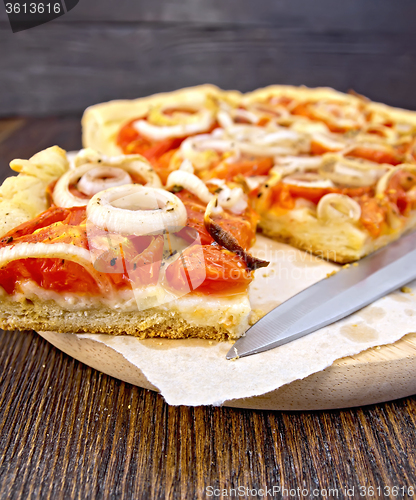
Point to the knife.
(350, 289)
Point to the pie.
(330, 173)
(102, 248)
(148, 230)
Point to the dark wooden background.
(67, 431)
(105, 49)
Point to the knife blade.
(333, 298)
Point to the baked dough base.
(338, 242)
(154, 322)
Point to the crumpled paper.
(196, 372)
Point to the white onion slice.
(186, 166)
(224, 119)
(137, 210)
(216, 182)
(88, 161)
(328, 141)
(383, 183)
(191, 183)
(255, 181)
(62, 197)
(100, 178)
(311, 180)
(159, 133)
(290, 164)
(351, 172)
(338, 207)
(306, 126)
(274, 112)
(246, 115)
(342, 115)
(267, 151)
(302, 203)
(233, 200)
(133, 164)
(248, 139)
(227, 119)
(203, 142)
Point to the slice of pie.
(116, 253)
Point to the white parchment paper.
(195, 372)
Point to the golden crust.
(339, 242)
(23, 197)
(40, 315)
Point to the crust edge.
(48, 316)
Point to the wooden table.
(68, 431)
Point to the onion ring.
(336, 207)
(190, 182)
(137, 210)
(351, 172)
(383, 183)
(101, 178)
(89, 160)
(308, 179)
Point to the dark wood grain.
(354, 14)
(70, 432)
(320, 15)
(67, 431)
(99, 52)
(24, 137)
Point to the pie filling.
(61, 253)
(346, 145)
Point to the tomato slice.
(50, 274)
(216, 269)
(373, 215)
(141, 256)
(306, 109)
(319, 149)
(65, 216)
(162, 165)
(387, 155)
(132, 142)
(284, 195)
(242, 227)
(402, 190)
(135, 259)
(246, 167)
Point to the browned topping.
(228, 241)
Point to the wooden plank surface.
(24, 137)
(98, 52)
(68, 431)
